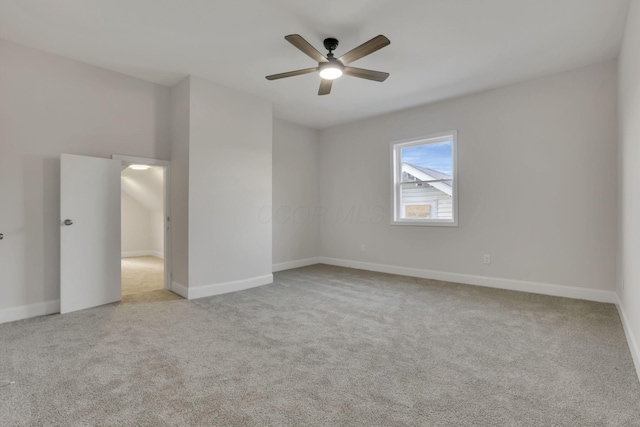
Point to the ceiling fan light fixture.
(330, 70)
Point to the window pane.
(426, 181)
(436, 156)
(418, 211)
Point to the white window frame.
(396, 177)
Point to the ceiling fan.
(331, 68)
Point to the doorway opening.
(144, 230)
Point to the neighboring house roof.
(427, 174)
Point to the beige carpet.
(325, 346)
(143, 280)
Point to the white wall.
(230, 144)
(135, 227)
(142, 211)
(142, 231)
(157, 233)
(51, 105)
(629, 165)
(537, 184)
(296, 184)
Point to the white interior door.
(90, 232)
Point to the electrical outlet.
(487, 259)
(363, 248)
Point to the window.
(424, 181)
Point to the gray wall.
(230, 144)
(296, 185)
(629, 163)
(180, 182)
(537, 184)
(51, 105)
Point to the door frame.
(166, 164)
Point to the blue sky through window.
(433, 156)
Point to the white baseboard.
(12, 314)
(194, 292)
(295, 264)
(180, 289)
(631, 340)
(491, 282)
(142, 253)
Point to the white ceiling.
(439, 48)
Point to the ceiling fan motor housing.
(330, 44)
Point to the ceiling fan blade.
(325, 87)
(291, 73)
(377, 76)
(376, 43)
(305, 47)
